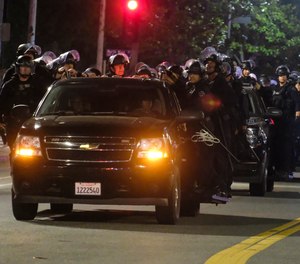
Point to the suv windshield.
(96, 100)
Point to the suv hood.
(96, 126)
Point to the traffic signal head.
(132, 5)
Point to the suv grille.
(89, 149)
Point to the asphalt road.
(246, 230)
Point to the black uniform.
(199, 167)
(224, 122)
(16, 92)
(41, 72)
(284, 98)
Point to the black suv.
(254, 148)
(100, 141)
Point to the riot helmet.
(120, 58)
(238, 72)
(246, 65)
(34, 50)
(165, 64)
(196, 68)
(176, 69)
(282, 70)
(154, 73)
(293, 77)
(226, 68)
(46, 58)
(162, 69)
(118, 63)
(22, 48)
(69, 57)
(144, 70)
(92, 72)
(264, 80)
(207, 52)
(213, 58)
(24, 61)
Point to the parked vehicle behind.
(254, 148)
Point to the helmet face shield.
(35, 50)
(207, 52)
(25, 61)
(46, 58)
(226, 68)
(50, 54)
(69, 57)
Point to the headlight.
(28, 146)
(152, 149)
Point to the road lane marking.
(3, 178)
(4, 186)
(242, 252)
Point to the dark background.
(164, 35)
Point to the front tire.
(23, 211)
(259, 189)
(170, 214)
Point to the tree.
(173, 30)
(273, 32)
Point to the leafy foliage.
(172, 30)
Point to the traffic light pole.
(100, 43)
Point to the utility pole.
(1, 23)
(32, 21)
(229, 21)
(100, 43)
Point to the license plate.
(87, 188)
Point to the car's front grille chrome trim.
(89, 149)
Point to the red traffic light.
(132, 5)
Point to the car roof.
(111, 81)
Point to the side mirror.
(188, 116)
(273, 112)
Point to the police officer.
(22, 48)
(224, 100)
(297, 122)
(173, 77)
(22, 88)
(283, 130)
(246, 79)
(118, 64)
(266, 89)
(64, 67)
(240, 113)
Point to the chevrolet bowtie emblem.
(88, 146)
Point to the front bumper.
(37, 181)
